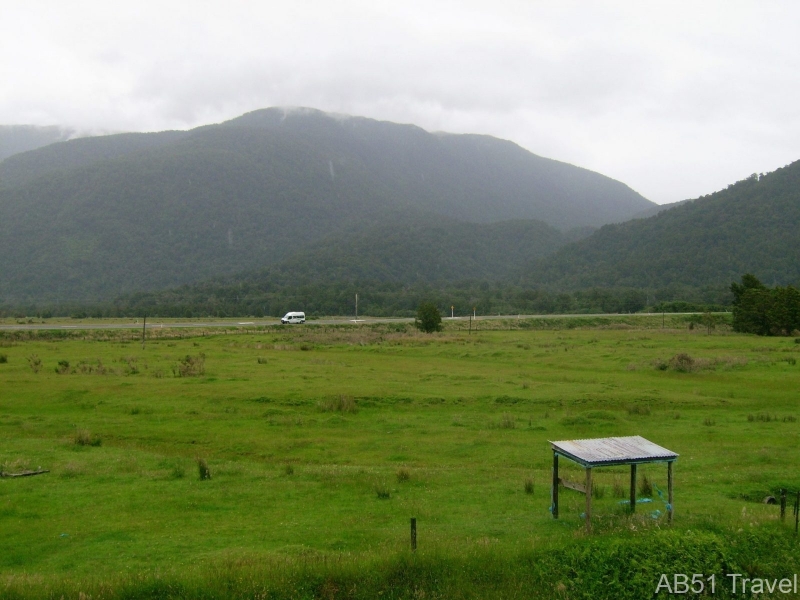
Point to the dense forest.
(752, 226)
(765, 311)
(91, 219)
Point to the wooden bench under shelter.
(606, 452)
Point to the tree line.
(765, 311)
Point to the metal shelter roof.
(600, 452)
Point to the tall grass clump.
(403, 474)
(341, 403)
(203, 470)
(528, 486)
(507, 421)
(35, 363)
(83, 437)
(3, 358)
(645, 486)
(190, 366)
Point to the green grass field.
(322, 442)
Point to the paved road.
(158, 324)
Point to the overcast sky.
(676, 99)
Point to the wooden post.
(797, 513)
(470, 324)
(633, 488)
(144, 325)
(588, 500)
(783, 504)
(669, 492)
(555, 486)
(413, 534)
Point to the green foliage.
(428, 319)
(764, 311)
(750, 227)
(254, 191)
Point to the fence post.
(413, 534)
(783, 504)
(796, 512)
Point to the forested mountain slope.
(97, 217)
(22, 138)
(752, 226)
(425, 250)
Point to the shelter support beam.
(555, 486)
(633, 488)
(588, 500)
(669, 491)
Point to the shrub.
(528, 486)
(428, 318)
(62, 367)
(190, 366)
(35, 363)
(403, 475)
(202, 469)
(3, 358)
(681, 362)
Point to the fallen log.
(24, 473)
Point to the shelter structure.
(606, 452)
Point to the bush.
(3, 358)
(428, 318)
(35, 363)
(62, 367)
(681, 362)
(190, 366)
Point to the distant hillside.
(753, 226)
(430, 250)
(658, 208)
(22, 138)
(97, 217)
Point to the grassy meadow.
(320, 442)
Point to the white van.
(293, 317)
